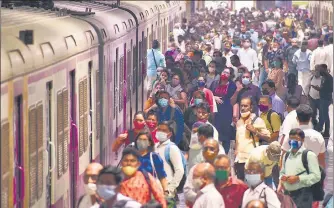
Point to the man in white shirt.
(290, 121)
(319, 56)
(313, 141)
(175, 173)
(248, 56)
(257, 188)
(209, 152)
(314, 96)
(89, 200)
(329, 54)
(203, 181)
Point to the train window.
(147, 14)
(128, 73)
(60, 135)
(125, 27)
(115, 89)
(62, 132)
(83, 116)
(116, 28)
(180, 8)
(141, 15)
(35, 152)
(152, 11)
(5, 164)
(98, 103)
(160, 7)
(134, 72)
(140, 62)
(156, 8)
(121, 83)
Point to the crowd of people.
(237, 116)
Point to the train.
(322, 12)
(72, 76)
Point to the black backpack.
(271, 111)
(317, 188)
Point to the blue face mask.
(245, 81)
(163, 102)
(200, 83)
(251, 30)
(294, 144)
(198, 101)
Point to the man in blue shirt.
(155, 59)
(167, 112)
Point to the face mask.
(223, 77)
(106, 192)
(209, 155)
(253, 180)
(161, 136)
(198, 101)
(245, 114)
(240, 74)
(265, 92)
(151, 124)
(258, 48)
(138, 125)
(163, 102)
(221, 175)
(129, 170)
(175, 82)
(294, 144)
(212, 69)
(227, 50)
(275, 49)
(263, 108)
(200, 83)
(245, 81)
(142, 144)
(90, 188)
(197, 183)
(251, 30)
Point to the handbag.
(304, 99)
(155, 175)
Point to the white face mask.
(253, 180)
(90, 188)
(197, 183)
(106, 191)
(161, 136)
(245, 114)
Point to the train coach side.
(47, 84)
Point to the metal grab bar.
(53, 149)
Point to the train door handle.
(53, 149)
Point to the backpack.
(184, 164)
(286, 201)
(317, 188)
(271, 111)
(185, 141)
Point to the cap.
(274, 150)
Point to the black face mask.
(265, 92)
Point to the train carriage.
(66, 96)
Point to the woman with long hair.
(150, 161)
